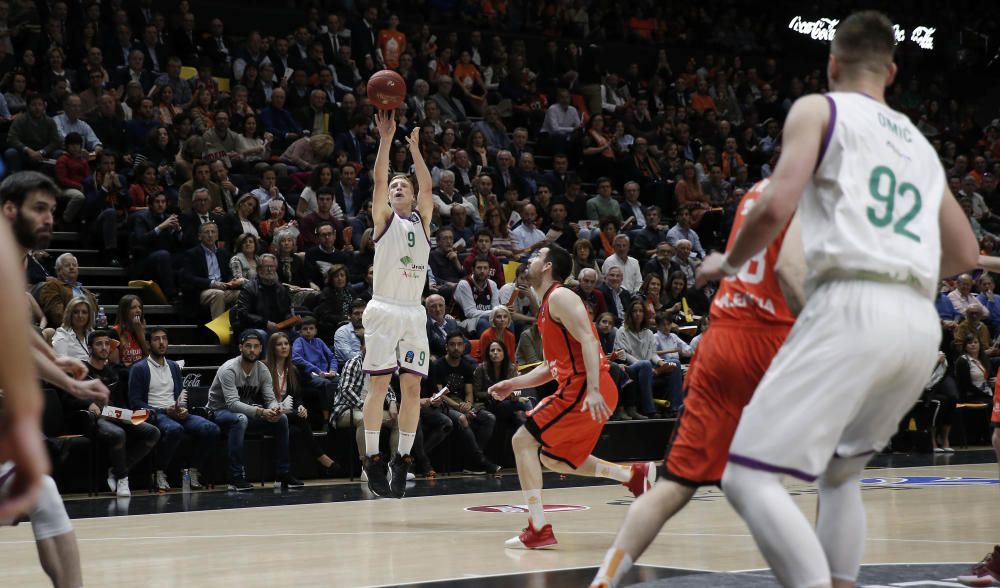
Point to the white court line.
(485, 576)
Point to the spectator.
(318, 365)
(473, 423)
(527, 237)
(355, 142)
(603, 206)
(156, 238)
(661, 263)
(32, 138)
(974, 326)
(106, 206)
(684, 260)
(452, 109)
(445, 263)
(671, 349)
(351, 193)
(246, 217)
(632, 276)
(498, 331)
(583, 258)
(70, 339)
(143, 122)
(201, 178)
(990, 301)
(59, 290)
(476, 296)
(559, 230)
(495, 368)
(347, 338)
(263, 302)
(308, 152)
(146, 185)
(172, 77)
(483, 245)
(242, 398)
(971, 374)
(107, 123)
(439, 325)
(309, 234)
(280, 122)
(562, 122)
(222, 143)
(156, 385)
(683, 230)
(647, 239)
(320, 258)
(587, 290)
(616, 297)
(941, 391)
(335, 301)
(243, 263)
(520, 299)
(291, 397)
(962, 297)
(201, 213)
(607, 335)
(70, 122)
(322, 177)
(206, 274)
(639, 347)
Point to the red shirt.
(71, 171)
(562, 352)
(753, 295)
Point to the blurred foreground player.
(879, 226)
(562, 430)
(28, 200)
(750, 320)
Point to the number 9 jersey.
(871, 209)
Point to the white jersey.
(401, 254)
(871, 208)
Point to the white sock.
(371, 442)
(533, 498)
(615, 565)
(606, 469)
(405, 442)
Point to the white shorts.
(48, 516)
(395, 338)
(853, 365)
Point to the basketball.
(386, 89)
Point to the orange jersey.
(562, 352)
(752, 295)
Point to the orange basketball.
(386, 89)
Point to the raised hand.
(385, 122)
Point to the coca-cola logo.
(825, 29)
(192, 381)
(923, 37)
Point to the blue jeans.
(675, 386)
(239, 424)
(172, 432)
(642, 372)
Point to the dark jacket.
(609, 298)
(144, 240)
(194, 271)
(251, 311)
(436, 340)
(138, 383)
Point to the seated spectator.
(962, 297)
(661, 263)
(143, 122)
(639, 347)
(145, 186)
(155, 384)
(451, 107)
(651, 293)
(464, 230)
(631, 275)
(224, 144)
(687, 263)
(335, 300)
(262, 302)
(990, 301)
(324, 255)
(59, 290)
(974, 326)
(72, 169)
(483, 245)
(971, 373)
(108, 124)
(128, 443)
(586, 289)
(318, 367)
(32, 138)
(242, 399)
(156, 238)
(246, 217)
(671, 350)
(607, 334)
(559, 230)
(445, 263)
(683, 231)
(268, 190)
(646, 239)
(473, 423)
(308, 152)
(632, 208)
(130, 326)
(616, 297)
(70, 338)
(447, 195)
(562, 124)
(322, 176)
(201, 178)
(497, 331)
(527, 237)
(520, 299)
(292, 269)
(439, 325)
(309, 226)
(243, 263)
(703, 325)
(677, 294)
(201, 213)
(496, 368)
(291, 397)
(229, 186)
(603, 242)
(495, 222)
(476, 296)
(351, 193)
(106, 206)
(941, 391)
(602, 205)
(584, 258)
(347, 338)
(280, 122)
(206, 274)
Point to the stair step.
(148, 309)
(57, 251)
(103, 272)
(198, 349)
(63, 236)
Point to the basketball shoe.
(378, 483)
(399, 469)
(643, 478)
(532, 538)
(986, 573)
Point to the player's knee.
(523, 440)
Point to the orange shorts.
(995, 419)
(567, 433)
(724, 373)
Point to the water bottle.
(102, 319)
(186, 480)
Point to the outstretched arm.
(385, 121)
(567, 308)
(425, 193)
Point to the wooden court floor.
(913, 516)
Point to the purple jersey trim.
(386, 229)
(409, 371)
(829, 130)
(760, 465)
(380, 372)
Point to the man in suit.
(558, 177)
(318, 117)
(451, 107)
(662, 263)
(116, 52)
(355, 141)
(201, 213)
(333, 37)
(465, 172)
(351, 192)
(439, 325)
(136, 71)
(156, 237)
(206, 276)
(185, 42)
(364, 36)
(616, 297)
(587, 290)
(154, 53)
(507, 176)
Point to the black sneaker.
(375, 469)
(398, 468)
(289, 481)
(240, 485)
(489, 467)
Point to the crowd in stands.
(234, 168)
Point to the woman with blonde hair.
(308, 152)
(78, 322)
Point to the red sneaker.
(643, 477)
(532, 538)
(986, 573)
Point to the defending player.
(750, 320)
(879, 226)
(394, 320)
(562, 430)
(992, 264)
